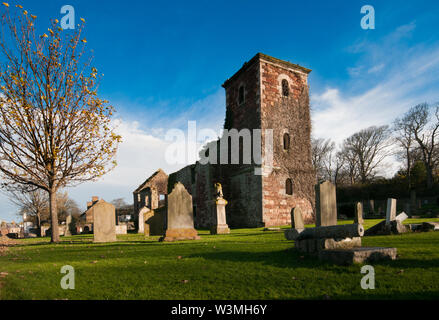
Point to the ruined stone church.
(266, 93)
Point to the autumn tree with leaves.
(54, 129)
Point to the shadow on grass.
(408, 263)
(289, 258)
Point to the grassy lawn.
(247, 264)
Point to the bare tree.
(54, 129)
(66, 206)
(422, 121)
(370, 147)
(33, 204)
(119, 203)
(348, 162)
(322, 157)
(405, 139)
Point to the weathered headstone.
(358, 218)
(326, 204)
(401, 217)
(297, 219)
(390, 210)
(68, 233)
(180, 223)
(43, 230)
(121, 229)
(297, 225)
(104, 222)
(358, 255)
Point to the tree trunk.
(53, 216)
(409, 170)
(429, 177)
(39, 222)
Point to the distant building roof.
(141, 187)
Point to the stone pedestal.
(219, 209)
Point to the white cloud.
(411, 76)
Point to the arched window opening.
(285, 88)
(286, 141)
(289, 187)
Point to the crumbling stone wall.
(148, 192)
(198, 180)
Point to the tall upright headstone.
(104, 222)
(180, 222)
(326, 204)
(297, 219)
(220, 225)
(390, 210)
(68, 233)
(358, 218)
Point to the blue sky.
(164, 63)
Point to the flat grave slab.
(358, 255)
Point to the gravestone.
(390, 210)
(326, 204)
(104, 222)
(297, 226)
(121, 229)
(219, 208)
(180, 223)
(297, 219)
(68, 233)
(43, 230)
(401, 217)
(358, 218)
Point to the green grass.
(247, 264)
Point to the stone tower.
(270, 94)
